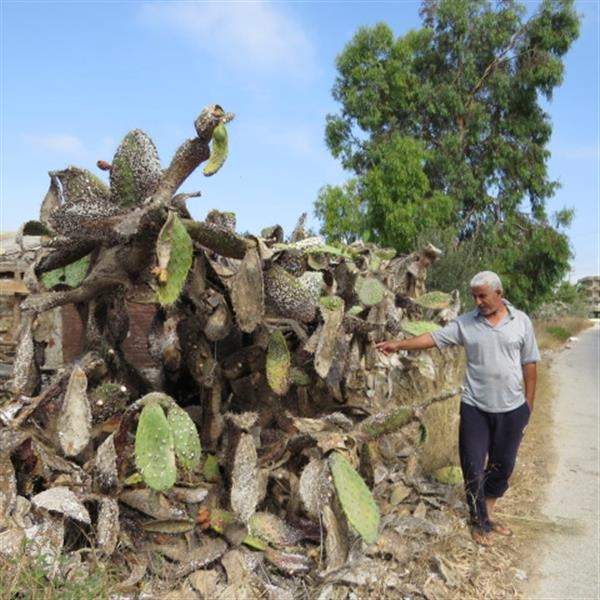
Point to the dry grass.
(554, 333)
(24, 578)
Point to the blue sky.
(76, 76)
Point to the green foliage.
(355, 498)
(155, 448)
(218, 151)
(185, 438)
(278, 363)
(419, 327)
(71, 275)
(177, 241)
(560, 333)
(444, 131)
(341, 211)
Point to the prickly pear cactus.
(355, 498)
(278, 363)
(136, 171)
(218, 150)
(384, 423)
(434, 300)
(71, 275)
(185, 438)
(286, 294)
(451, 475)
(80, 185)
(175, 252)
(370, 290)
(272, 529)
(155, 448)
(419, 327)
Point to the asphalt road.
(570, 564)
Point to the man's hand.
(388, 347)
(421, 342)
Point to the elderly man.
(497, 400)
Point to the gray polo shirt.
(495, 357)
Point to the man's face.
(487, 300)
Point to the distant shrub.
(559, 332)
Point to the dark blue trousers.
(488, 444)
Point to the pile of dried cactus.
(254, 438)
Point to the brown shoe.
(483, 538)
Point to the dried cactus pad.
(278, 363)
(154, 448)
(80, 185)
(71, 275)
(419, 327)
(218, 150)
(175, 237)
(434, 300)
(185, 438)
(136, 171)
(370, 290)
(451, 475)
(355, 498)
(272, 529)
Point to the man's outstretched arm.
(421, 342)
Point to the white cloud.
(63, 143)
(255, 36)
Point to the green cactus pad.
(299, 377)
(71, 275)
(327, 249)
(210, 469)
(332, 303)
(355, 498)
(434, 300)
(136, 170)
(175, 236)
(384, 423)
(354, 311)
(370, 290)
(218, 150)
(185, 438)
(451, 475)
(419, 327)
(154, 448)
(278, 363)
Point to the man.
(498, 396)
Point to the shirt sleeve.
(529, 348)
(448, 336)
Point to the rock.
(399, 493)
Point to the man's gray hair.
(487, 278)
